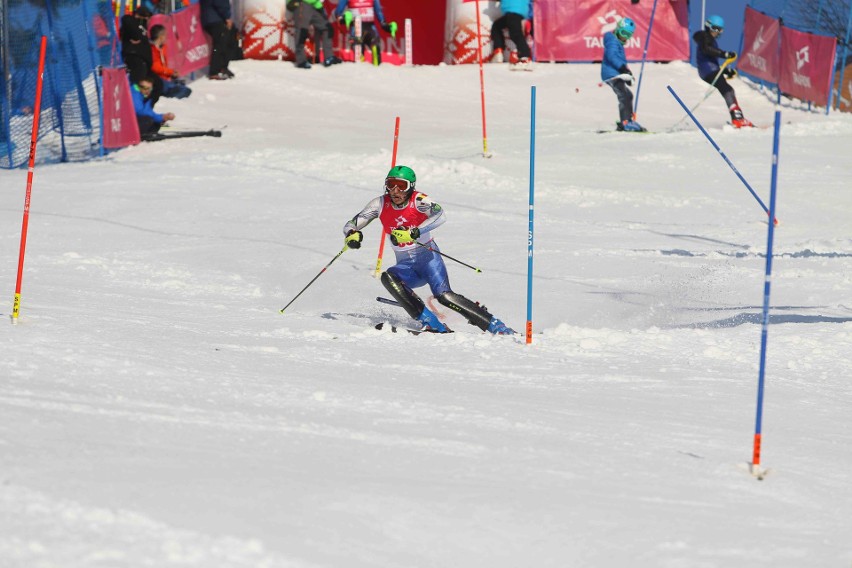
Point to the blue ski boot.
(632, 126)
(431, 322)
(497, 327)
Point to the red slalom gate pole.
(384, 232)
(481, 82)
(16, 307)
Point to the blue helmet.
(624, 28)
(714, 23)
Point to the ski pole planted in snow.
(532, 209)
(315, 278)
(16, 307)
(644, 57)
(384, 231)
(481, 82)
(721, 153)
(755, 464)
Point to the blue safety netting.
(80, 37)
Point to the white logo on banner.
(758, 41)
(802, 57)
(115, 122)
(608, 23)
(757, 61)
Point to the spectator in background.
(148, 120)
(216, 21)
(514, 14)
(309, 13)
(136, 49)
(370, 12)
(173, 87)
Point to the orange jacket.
(160, 65)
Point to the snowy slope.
(157, 410)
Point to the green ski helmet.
(403, 173)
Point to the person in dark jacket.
(616, 73)
(217, 23)
(307, 13)
(707, 60)
(135, 47)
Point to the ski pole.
(721, 153)
(315, 278)
(448, 256)
(707, 94)
(16, 305)
(758, 424)
(385, 231)
(485, 153)
(644, 57)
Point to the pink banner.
(191, 41)
(761, 38)
(120, 127)
(572, 30)
(806, 62)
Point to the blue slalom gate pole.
(721, 153)
(644, 56)
(532, 211)
(755, 464)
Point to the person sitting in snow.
(410, 217)
(149, 121)
(370, 12)
(707, 61)
(173, 86)
(616, 74)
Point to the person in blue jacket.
(370, 13)
(148, 119)
(512, 19)
(616, 74)
(707, 61)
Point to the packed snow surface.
(156, 409)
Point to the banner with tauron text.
(806, 65)
(572, 30)
(761, 37)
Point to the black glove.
(730, 55)
(625, 69)
(353, 239)
(730, 72)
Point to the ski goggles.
(624, 34)
(716, 29)
(397, 184)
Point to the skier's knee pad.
(473, 312)
(409, 301)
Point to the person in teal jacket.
(512, 19)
